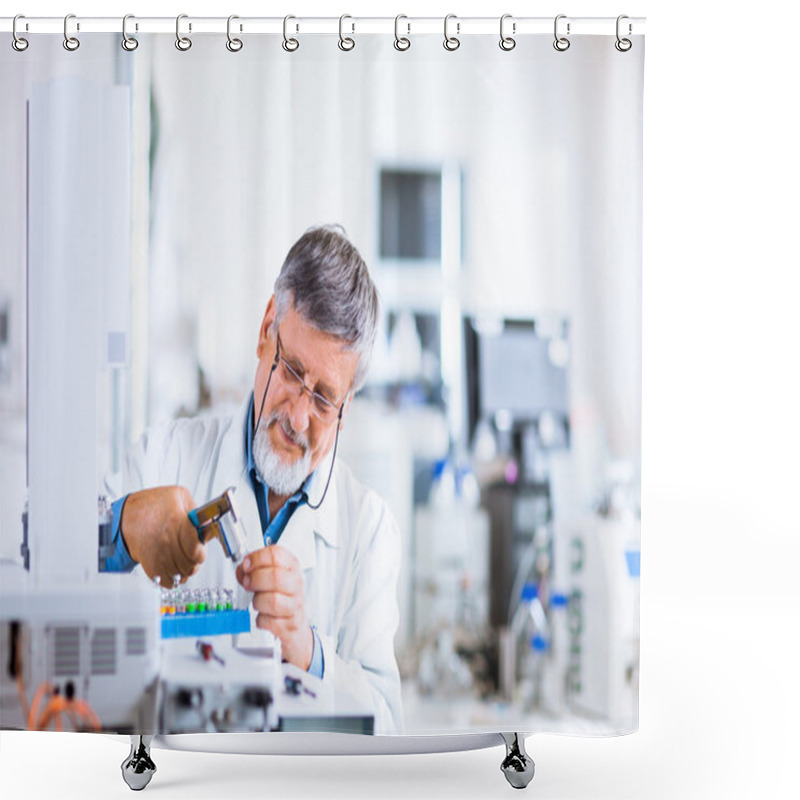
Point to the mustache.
(282, 419)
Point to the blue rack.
(206, 623)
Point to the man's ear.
(265, 332)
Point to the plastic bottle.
(554, 684)
(531, 672)
(443, 487)
(530, 635)
(523, 610)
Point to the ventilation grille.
(66, 652)
(104, 651)
(135, 641)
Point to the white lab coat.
(348, 549)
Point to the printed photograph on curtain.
(320, 376)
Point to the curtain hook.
(401, 43)
(346, 43)
(70, 42)
(289, 45)
(451, 42)
(234, 45)
(561, 43)
(183, 43)
(128, 42)
(507, 42)
(623, 45)
(18, 43)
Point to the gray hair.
(327, 282)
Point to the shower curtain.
(494, 194)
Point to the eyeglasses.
(326, 411)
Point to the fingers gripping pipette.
(220, 518)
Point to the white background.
(720, 604)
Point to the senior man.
(323, 550)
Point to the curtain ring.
(183, 43)
(401, 43)
(289, 45)
(234, 45)
(70, 42)
(623, 45)
(451, 42)
(345, 42)
(507, 42)
(18, 43)
(561, 43)
(128, 42)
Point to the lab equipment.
(69, 624)
(87, 645)
(598, 563)
(518, 392)
(221, 519)
(451, 575)
(207, 687)
(554, 682)
(522, 657)
(101, 640)
(518, 368)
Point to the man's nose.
(300, 411)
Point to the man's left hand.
(274, 577)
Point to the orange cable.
(33, 712)
(55, 705)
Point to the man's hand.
(274, 576)
(159, 535)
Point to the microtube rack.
(200, 612)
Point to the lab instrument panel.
(131, 657)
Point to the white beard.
(282, 478)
